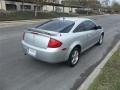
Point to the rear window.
(57, 25)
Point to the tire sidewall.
(69, 62)
(100, 43)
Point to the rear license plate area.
(32, 52)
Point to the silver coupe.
(62, 39)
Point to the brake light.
(54, 43)
(23, 35)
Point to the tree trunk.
(23, 5)
(53, 8)
(36, 10)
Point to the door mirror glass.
(98, 27)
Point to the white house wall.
(66, 9)
(18, 4)
(47, 8)
(74, 10)
(44, 8)
(2, 5)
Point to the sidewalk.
(4, 24)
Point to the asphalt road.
(20, 72)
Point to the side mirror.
(98, 27)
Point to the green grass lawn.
(109, 78)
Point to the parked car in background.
(62, 39)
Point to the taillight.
(23, 35)
(54, 43)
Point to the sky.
(115, 0)
(112, 1)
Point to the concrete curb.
(21, 20)
(4, 24)
(85, 85)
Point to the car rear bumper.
(50, 55)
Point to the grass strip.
(109, 77)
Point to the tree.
(84, 3)
(106, 2)
(37, 2)
(88, 4)
(116, 7)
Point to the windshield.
(57, 25)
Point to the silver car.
(62, 39)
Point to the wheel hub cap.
(101, 39)
(75, 57)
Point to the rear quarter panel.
(70, 40)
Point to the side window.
(67, 29)
(89, 25)
(79, 28)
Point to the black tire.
(70, 60)
(100, 40)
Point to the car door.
(92, 33)
(81, 36)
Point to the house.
(50, 5)
(18, 5)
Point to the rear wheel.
(100, 40)
(74, 57)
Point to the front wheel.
(74, 57)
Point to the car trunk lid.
(38, 38)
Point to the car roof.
(75, 19)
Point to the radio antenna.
(63, 13)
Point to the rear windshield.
(57, 25)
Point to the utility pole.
(69, 6)
(23, 1)
(87, 7)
